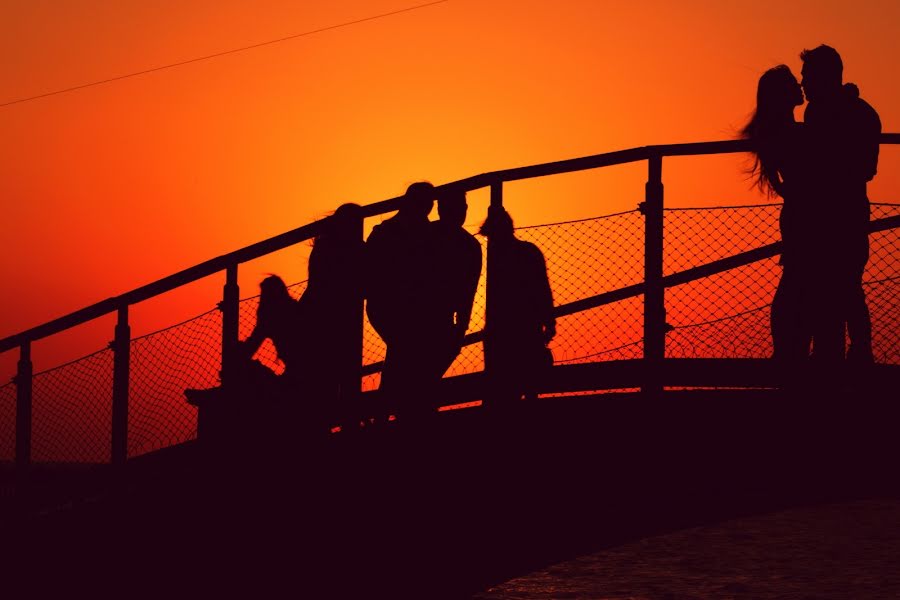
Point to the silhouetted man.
(400, 304)
(846, 131)
(519, 321)
(457, 267)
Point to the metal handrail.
(680, 278)
(310, 230)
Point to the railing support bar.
(230, 307)
(23, 406)
(121, 347)
(654, 291)
(490, 360)
(351, 338)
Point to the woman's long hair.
(339, 242)
(767, 124)
(275, 301)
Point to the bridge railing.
(116, 374)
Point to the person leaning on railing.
(333, 291)
(520, 321)
(278, 318)
(399, 273)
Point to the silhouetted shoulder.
(459, 241)
(530, 252)
(379, 231)
(866, 114)
(473, 246)
(384, 242)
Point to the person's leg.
(859, 326)
(859, 322)
(826, 303)
(410, 379)
(390, 385)
(790, 328)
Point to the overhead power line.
(225, 53)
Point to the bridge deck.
(473, 499)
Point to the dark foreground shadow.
(448, 509)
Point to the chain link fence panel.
(8, 422)
(727, 315)
(72, 411)
(586, 258)
(163, 365)
(882, 284)
(721, 316)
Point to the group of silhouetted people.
(820, 168)
(419, 279)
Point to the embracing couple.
(820, 168)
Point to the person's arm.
(776, 180)
(865, 135)
(870, 143)
(248, 347)
(316, 269)
(546, 300)
(373, 286)
(470, 286)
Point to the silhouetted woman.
(278, 318)
(314, 336)
(519, 322)
(297, 411)
(782, 167)
(332, 306)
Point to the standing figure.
(278, 318)
(782, 166)
(457, 268)
(846, 134)
(400, 303)
(519, 322)
(261, 405)
(332, 303)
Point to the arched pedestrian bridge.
(662, 410)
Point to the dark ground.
(824, 552)
(447, 510)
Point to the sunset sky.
(113, 186)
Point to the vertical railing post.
(490, 276)
(23, 406)
(121, 347)
(654, 291)
(351, 337)
(230, 306)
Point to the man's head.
(419, 199)
(452, 207)
(498, 225)
(822, 73)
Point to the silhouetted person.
(845, 131)
(278, 318)
(332, 297)
(456, 269)
(284, 411)
(520, 321)
(400, 302)
(783, 166)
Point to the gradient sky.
(114, 186)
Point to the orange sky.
(111, 187)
